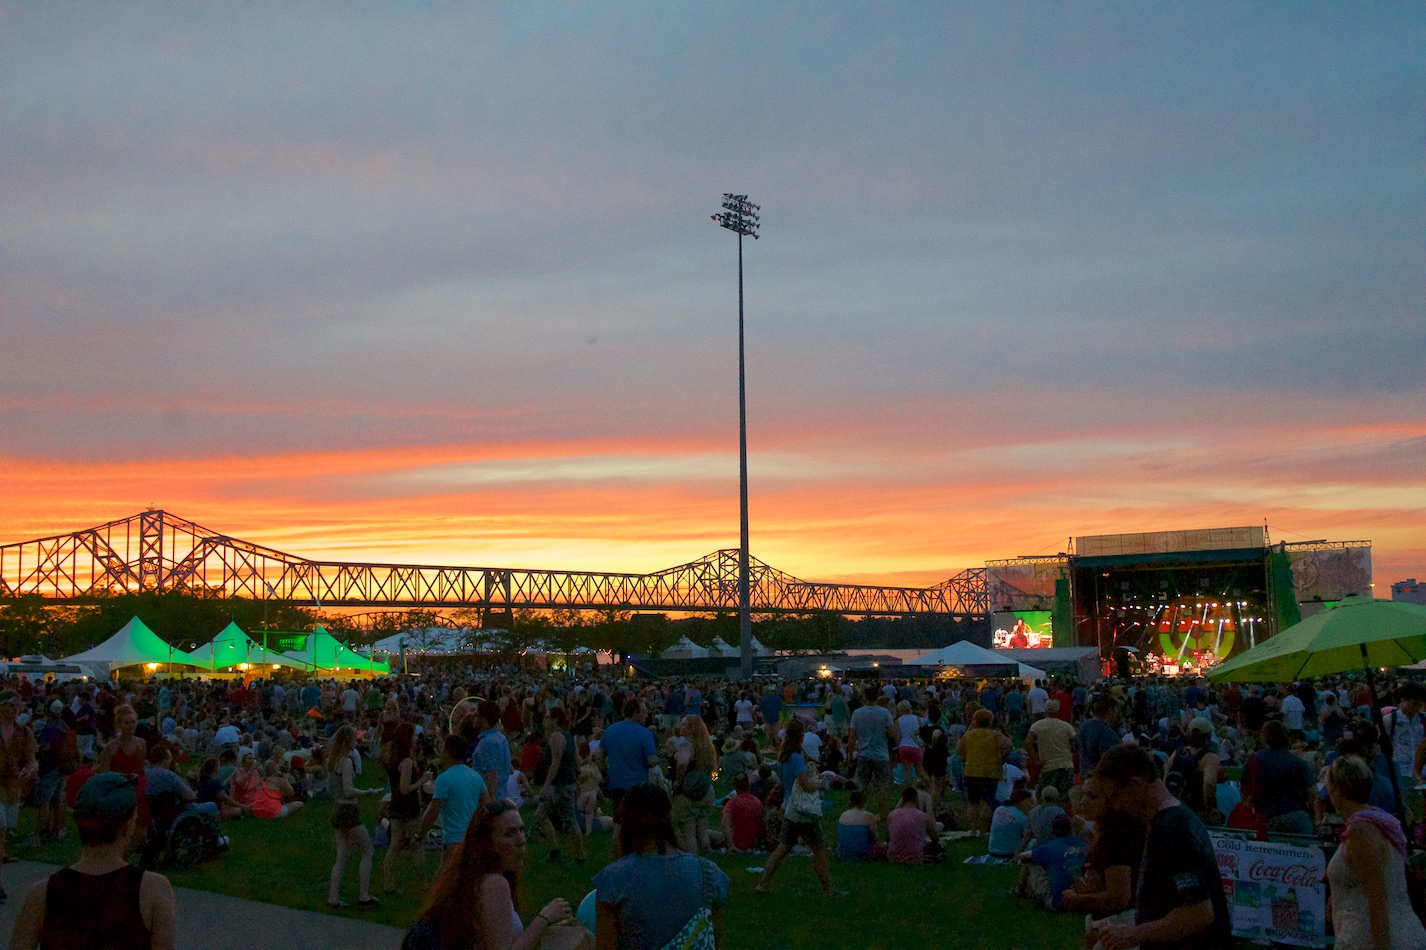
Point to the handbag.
(697, 934)
(803, 806)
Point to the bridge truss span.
(156, 551)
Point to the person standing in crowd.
(792, 769)
(770, 705)
(656, 895)
(127, 754)
(17, 766)
(1371, 908)
(1053, 740)
(983, 749)
(100, 901)
(559, 795)
(404, 814)
(58, 755)
(1279, 784)
(349, 830)
(476, 899)
(1180, 902)
(492, 749)
(1406, 729)
(629, 753)
(1192, 771)
(693, 765)
(1097, 734)
(873, 731)
(458, 792)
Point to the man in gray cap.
(100, 900)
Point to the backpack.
(66, 753)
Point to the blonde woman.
(351, 834)
(693, 765)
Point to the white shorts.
(9, 815)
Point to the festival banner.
(1275, 891)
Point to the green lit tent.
(229, 648)
(327, 654)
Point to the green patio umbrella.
(1354, 634)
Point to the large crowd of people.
(1102, 792)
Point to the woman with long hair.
(693, 766)
(792, 768)
(655, 892)
(476, 899)
(346, 818)
(127, 754)
(404, 814)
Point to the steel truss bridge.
(156, 551)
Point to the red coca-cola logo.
(1288, 875)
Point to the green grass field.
(288, 862)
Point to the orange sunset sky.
(439, 285)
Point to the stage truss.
(156, 551)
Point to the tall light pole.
(741, 217)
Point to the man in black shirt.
(1180, 903)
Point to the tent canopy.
(685, 649)
(721, 647)
(433, 641)
(962, 653)
(325, 652)
(132, 645)
(229, 648)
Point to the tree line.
(186, 618)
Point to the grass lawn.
(289, 861)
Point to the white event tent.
(721, 647)
(133, 645)
(684, 649)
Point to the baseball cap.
(107, 796)
(1199, 724)
(57, 706)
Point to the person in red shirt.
(743, 815)
(76, 779)
(1066, 701)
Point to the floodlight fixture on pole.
(740, 216)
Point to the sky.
(438, 283)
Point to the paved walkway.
(208, 921)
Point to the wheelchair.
(178, 838)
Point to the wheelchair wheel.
(187, 841)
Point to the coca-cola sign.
(1288, 875)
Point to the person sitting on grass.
(1051, 868)
(101, 900)
(655, 892)
(1039, 826)
(275, 797)
(210, 790)
(743, 816)
(1111, 868)
(858, 837)
(1008, 824)
(908, 829)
